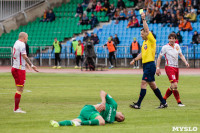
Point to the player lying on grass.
(99, 114)
(171, 52)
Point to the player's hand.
(28, 66)
(143, 15)
(101, 107)
(187, 64)
(35, 68)
(132, 62)
(103, 47)
(158, 72)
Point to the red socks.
(167, 94)
(176, 95)
(17, 100)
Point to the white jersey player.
(18, 69)
(171, 51)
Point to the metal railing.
(9, 8)
(41, 54)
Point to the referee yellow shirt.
(149, 49)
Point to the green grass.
(61, 97)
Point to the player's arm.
(102, 106)
(136, 59)
(183, 59)
(29, 62)
(158, 72)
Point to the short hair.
(22, 34)
(172, 35)
(79, 40)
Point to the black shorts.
(149, 70)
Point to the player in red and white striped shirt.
(171, 52)
(18, 69)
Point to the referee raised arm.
(149, 68)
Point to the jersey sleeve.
(23, 49)
(163, 51)
(111, 101)
(151, 38)
(179, 49)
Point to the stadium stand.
(42, 34)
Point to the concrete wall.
(30, 15)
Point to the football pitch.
(61, 96)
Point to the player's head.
(143, 34)
(55, 39)
(119, 117)
(23, 36)
(172, 38)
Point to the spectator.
(122, 15)
(79, 10)
(157, 16)
(92, 36)
(93, 21)
(179, 37)
(185, 25)
(169, 9)
(45, 16)
(181, 3)
(79, 53)
(188, 9)
(86, 37)
(111, 11)
(116, 40)
(84, 20)
(149, 15)
(116, 16)
(135, 50)
(173, 21)
(188, 3)
(139, 5)
(165, 6)
(164, 16)
(98, 7)
(180, 8)
(179, 15)
(192, 16)
(105, 6)
(120, 4)
(51, 16)
(133, 23)
(85, 3)
(195, 3)
(171, 4)
(130, 14)
(96, 39)
(175, 4)
(91, 6)
(150, 4)
(195, 38)
(158, 3)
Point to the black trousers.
(79, 57)
(134, 56)
(57, 59)
(112, 55)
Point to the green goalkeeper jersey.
(110, 112)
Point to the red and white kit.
(18, 68)
(171, 61)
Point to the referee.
(149, 67)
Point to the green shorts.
(88, 112)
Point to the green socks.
(90, 122)
(65, 123)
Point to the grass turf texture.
(61, 97)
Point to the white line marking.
(25, 91)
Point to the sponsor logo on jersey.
(145, 46)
